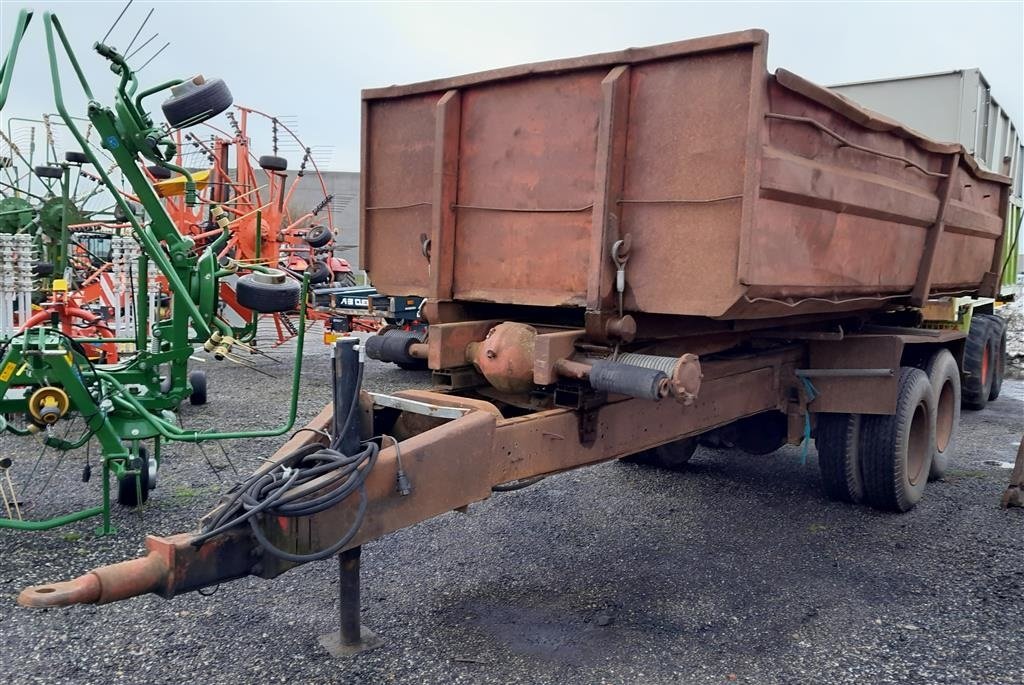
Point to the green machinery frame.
(122, 404)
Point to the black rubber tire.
(889, 444)
(344, 279)
(318, 272)
(127, 495)
(196, 105)
(673, 456)
(267, 298)
(197, 379)
(943, 373)
(997, 354)
(74, 157)
(762, 433)
(159, 173)
(273, 163)
(977, 383)
(837, 438)
(49, 172)
(319, 236)
(42, 269)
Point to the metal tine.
(148, 41)
(141, 26)
(155, 54)
(107, 35)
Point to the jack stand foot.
(353, 637)
(332, 642)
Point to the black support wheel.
(75, 157)
(318, 272)
(673, 456)
(130, 487)
(273, 163)
(319, 236)
(944, 377)
(344, 279)
(49, 172)
(197, 379)
(268, 293)
(896, 451)
(195, 101)
(977, 371)
(159, 173)
(837, 438)
(997, 353)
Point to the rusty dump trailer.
(626, 254)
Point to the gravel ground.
(736, 570)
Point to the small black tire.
(673, 456)
(944, 377)
(997, 338)
(837, 438)
(41, 269)
(75, 157)
(159, 173)
(273, 163)
(344, 279)
(197, 379)
(127, 494)
(49, 172)
(896, 450)
(318, 272)
(267, 293)
(319, 236)
(977, 369)
(192, 103)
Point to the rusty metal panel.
(526, 189)
(851, 394)
(398, 177)
(746, 195)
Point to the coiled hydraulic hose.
(276, 492)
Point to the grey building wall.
(343, 186)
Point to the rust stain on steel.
(748, 195)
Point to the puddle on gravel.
(998, 464)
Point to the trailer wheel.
(837, 438)
(762, 433)
(197, 379)
(127, 495)
(997, 336)
(896, 451)
(944, 376)
(267, 293)
(75, 157)
(673, 456)
(977, 371)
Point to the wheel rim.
(984, 365)
(917, 445)
(945, 416)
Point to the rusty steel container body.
(744, 194)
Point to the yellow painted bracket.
(174, 187)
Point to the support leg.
(352, 637)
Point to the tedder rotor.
(48, 376)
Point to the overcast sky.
(309, 60)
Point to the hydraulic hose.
(280, 492)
